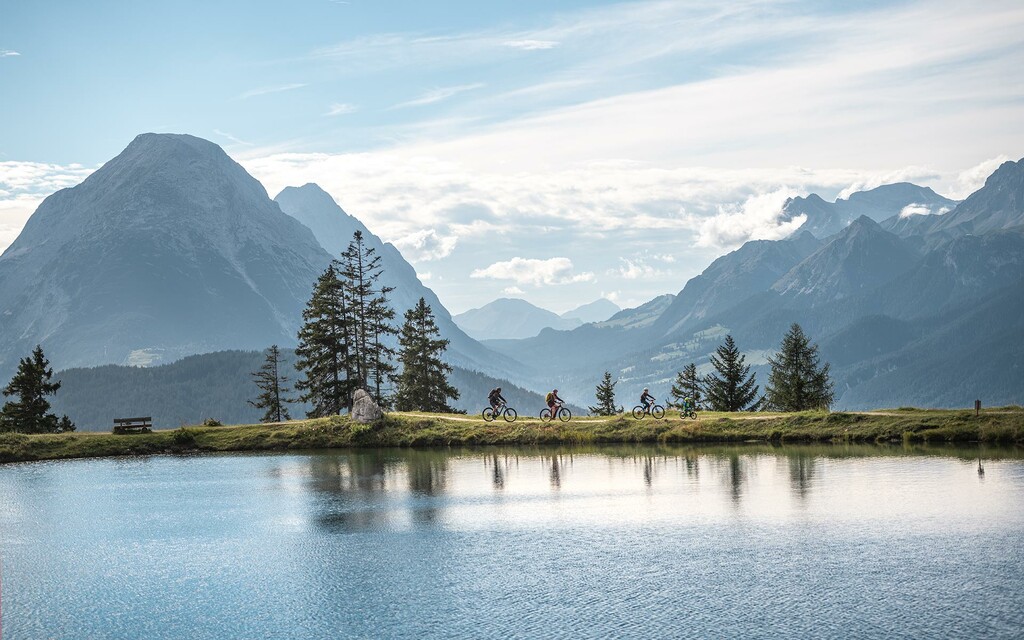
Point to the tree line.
(798, 381)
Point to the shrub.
(183, 437)
(210, 422)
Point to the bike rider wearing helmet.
(646, 399)
(496, 399)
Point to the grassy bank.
(1005, 425)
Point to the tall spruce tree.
(798, 381)
(324, 351)
(29, 412)
(371, 317)
(731, 387)
(605, 394)
(273, 386)
(423, 383)
(687, 385)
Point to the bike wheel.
(692, 415)
(658, 412)
(638, 412)
(564, 414)
(511, 415)
(545, 414)
(488, 414)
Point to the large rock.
(364, 409)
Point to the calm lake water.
(620, 541)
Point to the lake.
(625, 541)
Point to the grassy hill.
(1003, 425)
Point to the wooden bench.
(133, 425)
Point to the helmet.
(554, 390)
(498, 389)
(646, 389)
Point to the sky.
(557, 153)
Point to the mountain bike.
(563, 413)
(687, 410)
(656, 411)
(508, 412)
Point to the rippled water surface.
(621, 541)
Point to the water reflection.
(801, 472)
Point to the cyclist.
(496, 399)
(553, 401)
(646, 399)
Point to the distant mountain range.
(824, 218)
(932, 307)
(517, 318)
(171, 250)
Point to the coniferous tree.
(324, 351)
(273, 386)
(371, 317)
(687, 385)
(605, 393)
(29, 412)
(798, 381)
(423, 384)
(731, 387)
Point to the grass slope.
(1004, 425)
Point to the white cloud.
(425, 245)
(425, 276)
(340, 109)
(758, 218)
(917, 209)
(512, 291)
(970, 180)
(531, 45)
(636, 269)
(532, 271)
(437, 95)
(7, 53)
(262, 91)
(231, 138)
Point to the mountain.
(168, 249)
(597, 311)
(996, 206)
(732, 278)
(827, 218)
(859, 258)
(510, 318)
(333, 228)
(642, 316)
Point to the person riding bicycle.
(553, 400)
(646, 399)
(496, 399)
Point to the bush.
(183, 437)
(210, 422)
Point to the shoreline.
(994, 426)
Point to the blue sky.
(514, 149)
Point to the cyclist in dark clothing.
(647, 399)
(496, 399)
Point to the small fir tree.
(423, 384)
(687, 385)
(605, 393)
(273, 386)
(731, 387)
(29, 412)
(798, 381)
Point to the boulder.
(364, 409)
